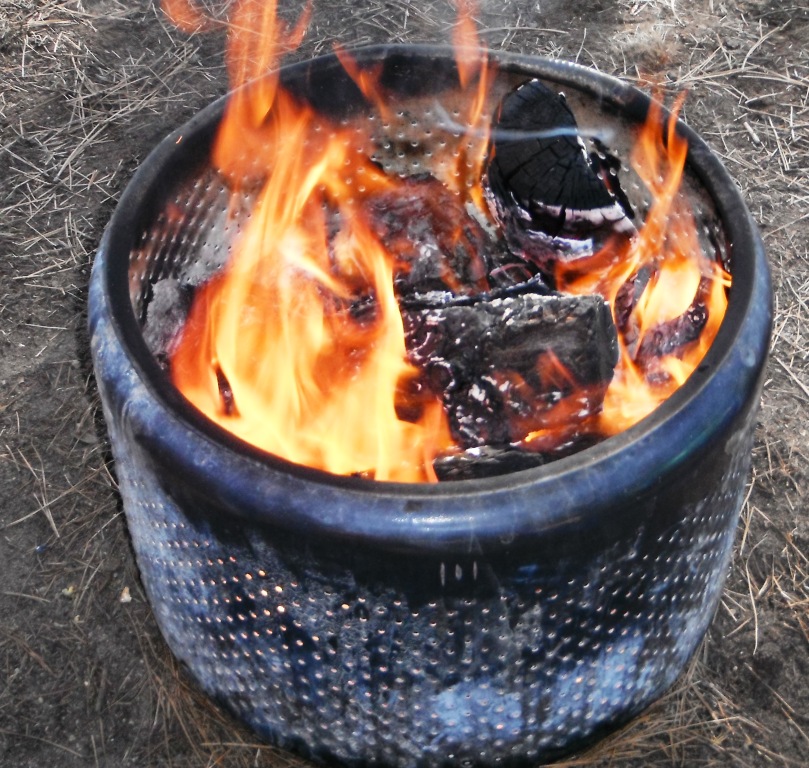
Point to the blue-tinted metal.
(501, 620)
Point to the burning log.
(501, 362)
(672, 336)
(436, 242)
(488, 461)
(664, 338)
(551, 198)
(485, 462)
(626, 300)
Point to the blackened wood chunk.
(501, 364)
(670, 337)
(534, 286)
(538, 156)
(628, 297)
(626, 300)
(436, 243)
(548, 193)
(489, 461)
(485, 462)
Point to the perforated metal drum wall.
(345, 652)
(479, 622)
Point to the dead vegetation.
(87, 89)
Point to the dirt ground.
(86, 90)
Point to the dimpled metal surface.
(497, 622)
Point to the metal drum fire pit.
(503, 620)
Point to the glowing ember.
(299, 346)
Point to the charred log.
(488, 461)
(553, 199)
(627, 299)
(436, 244)
(663, 339)
(485, 462)
(670, 337)
(501, 363)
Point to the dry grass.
(87, 89)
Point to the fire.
(668, 249)
(475, 77)
(298, 345)
(311, 376)
(279, 349)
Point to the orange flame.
(277, 348)
(279, 335)
(298, 345)
(186, 15)
(469, 55)
(668, 247)
(475, 74)
(257, 41)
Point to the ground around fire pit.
(86, 89)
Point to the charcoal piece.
(625, 302)
(477, 410)
(509, 271)
(670, 337)
(501, 364)
(485, 462)
(534, 286)
(225, 392)
(436, 243)
(664, 338)
(549, 195)
(489, 461)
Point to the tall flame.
(298, 345)
(279, 348)
(668, 248)
(281, 335)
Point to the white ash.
(165, 316)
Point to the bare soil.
(86, 90)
